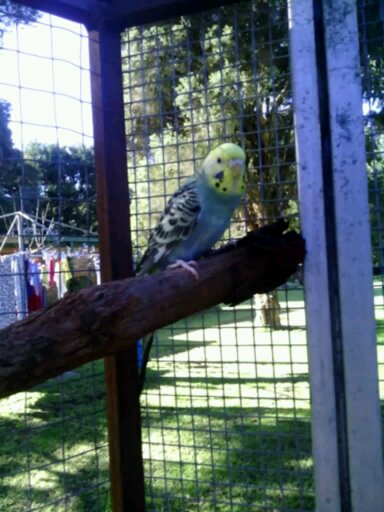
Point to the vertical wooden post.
(308, 139)
(124, 424)
(354, 255)
(334, 206)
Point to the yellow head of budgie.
(224, 169)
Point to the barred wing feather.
(176, 224)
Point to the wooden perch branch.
(100, 321)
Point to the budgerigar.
(195, 218)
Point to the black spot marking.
(217, 184)
(172, 222)
(219, 160)
(224, 189)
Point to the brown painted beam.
(80, 11)
(105, 319)
(124, 424)
(121, 14)
(128, 14)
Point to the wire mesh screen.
(226, 409)
(371, 29)
(53, 446)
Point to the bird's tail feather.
(146, 342)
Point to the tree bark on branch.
(99, 321)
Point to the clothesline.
(41, 227)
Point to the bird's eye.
(219, 160)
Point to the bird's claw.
(189, 266)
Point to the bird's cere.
(236, 162)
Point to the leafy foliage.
(12, 13)
(371, 29)
(9, 156)
(375, 168)
(67, 186)
(372, 59)
(54, 182)
(193, 82)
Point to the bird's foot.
(189, 266)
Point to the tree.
(225, 74)
(375, 166)
(371, 31)
(204, 79)
(12, 172)
(66, 180)
(6, 144)
(15, 14)
(12, 13)
(56, 182)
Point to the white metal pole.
(310, 181)
(354, 256)
(8, 233)
(20, 231)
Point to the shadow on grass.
(53, 448)
(231, 458)
(223, 459)
(157, 378)
(53, 451)
(380, 332)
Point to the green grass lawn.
(53, 445)
(226, 426)
(226, 423)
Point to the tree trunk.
(272, 182)
(268, 310)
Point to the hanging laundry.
(17, 266)
(30, 281)
(51, 272)
(8, 313)
(34, 286)
(13, 294)
(96, 263)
